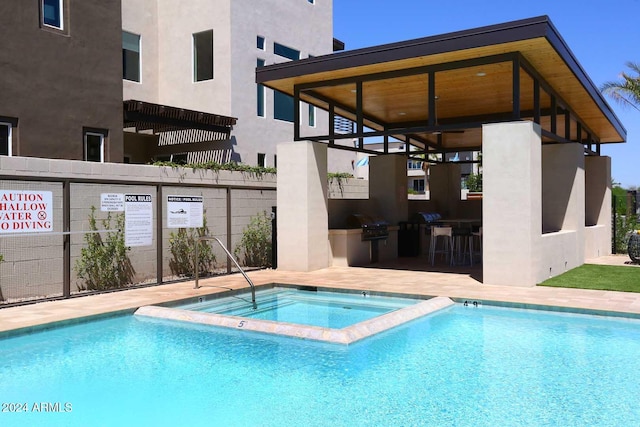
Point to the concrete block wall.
(348, 188)
(33, 266)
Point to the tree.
(627, 90)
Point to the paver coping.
(457, 286)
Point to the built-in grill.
(373, 230)
(425, 217)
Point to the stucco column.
(303, 230)
(511, 206)
(562, 208)
(597, 206)
(444, 188)
(388, 186)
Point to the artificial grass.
(601, 277)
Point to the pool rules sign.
(26, 211)
(138, 220)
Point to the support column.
(388, 186)
(303, 230)
(511, 205)
(597, 206)
(444, 188)
(563, 208)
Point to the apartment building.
(185, 71)
(61, 79)
(201, 55)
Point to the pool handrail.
(202, 238)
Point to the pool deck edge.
(380, 280)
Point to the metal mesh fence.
(31, 266)
(107, 262)
(88, 247)
(251, 219)
(178, 243)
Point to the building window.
(5, 139)
(418, 185)
(52, 14)
(94, 146)
(286, 52)
(130, 56)
(312, 116)
(203, 56)
(275, 160)
(260, 95)
(282, 106)
(260, 42)
(414, 164)
(262, 160)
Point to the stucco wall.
(297, 24)
(534, 206)
(56, 83)
(167, 26)
(141, 17)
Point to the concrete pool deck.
(393, 277)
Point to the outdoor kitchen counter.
(346, 247)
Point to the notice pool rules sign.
(26, 211)
(184, 211)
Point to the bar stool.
(445, 234)
(463, 240)
(477, 235)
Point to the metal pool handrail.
(253, 288)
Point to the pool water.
(462, 366)
(316, 308)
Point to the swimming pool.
(463, 366)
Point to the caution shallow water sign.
(25, 211)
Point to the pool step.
(343, 336)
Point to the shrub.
(474, 182)
(258, 171)
(182, 244)
(104, 263)
(624, 226)
(255, 246)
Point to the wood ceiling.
(467, 88)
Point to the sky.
(603, 36)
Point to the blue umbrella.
(363, 161)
